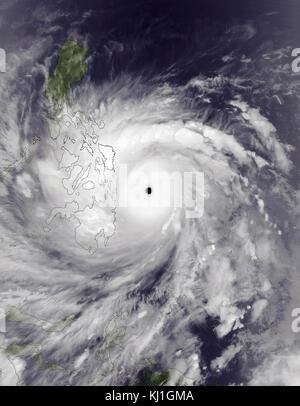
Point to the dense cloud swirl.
(97, 294)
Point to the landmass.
(71, 68)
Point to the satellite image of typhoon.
(149, 193)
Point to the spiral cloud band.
(149, 218)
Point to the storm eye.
(148, 190)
